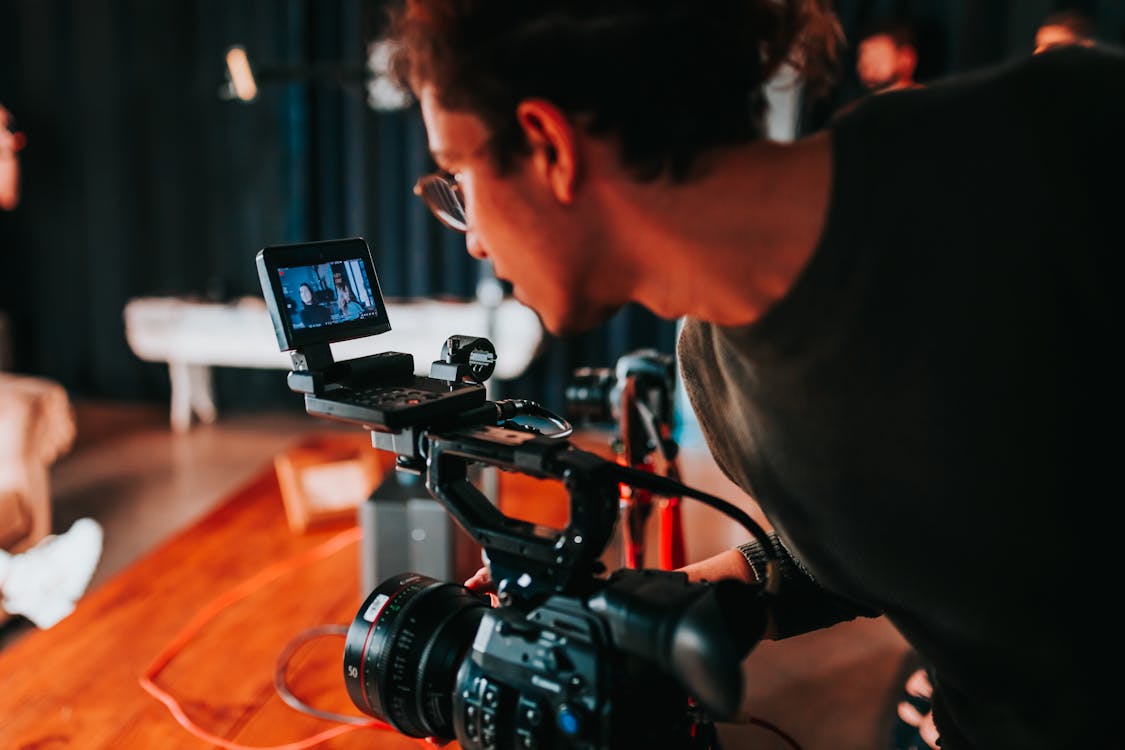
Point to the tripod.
(645, 442)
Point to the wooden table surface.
(76, 685)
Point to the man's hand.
(918, 685)
(727, 564)
(482, 581)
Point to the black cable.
(282, 686)
(661, 485)
(497, 413)
(671, 488)
(522, 407)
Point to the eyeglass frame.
(450, 188)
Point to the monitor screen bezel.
(276, 257)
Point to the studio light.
(244, 80)
(240, 76)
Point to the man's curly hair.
(668, 79)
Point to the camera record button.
(569, 720)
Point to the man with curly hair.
(895, 328)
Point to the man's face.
(877, 64)
(514, 220)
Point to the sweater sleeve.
(801, 605)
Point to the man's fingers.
(918, 685)
(482, 579)
(911, 715)
(928, 732)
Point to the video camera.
(571, 657)
(595, 394)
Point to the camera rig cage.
(438, 426)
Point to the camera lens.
(404, 648)
(588, 395)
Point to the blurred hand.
(918, 685)
(482, 581)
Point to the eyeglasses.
(442, 193)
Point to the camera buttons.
(569, 720)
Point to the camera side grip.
(527, 561)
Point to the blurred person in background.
(886, 60)
(11, 142)
(43, 583)
(887, 57)
(1063, 29)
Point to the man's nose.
(474, 246)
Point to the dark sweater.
(928, 417)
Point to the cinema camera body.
(571, 657)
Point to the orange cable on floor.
(217, 605)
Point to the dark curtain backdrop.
(139, 179)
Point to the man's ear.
(554, 145)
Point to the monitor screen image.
(325, 294)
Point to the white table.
(192, 337)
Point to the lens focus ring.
(404, 648)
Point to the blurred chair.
(36, 428)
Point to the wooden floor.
(204, 619)
(832, 689)
(142, 482)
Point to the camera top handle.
(529, 562)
